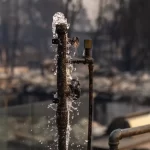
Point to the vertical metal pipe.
(62, 113)
(90, 105)
(88, 46)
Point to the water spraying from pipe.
(64, 47)
(68, 88)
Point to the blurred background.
(120, 30)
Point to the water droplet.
(86, 141)
(55, 73)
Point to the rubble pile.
(119, 84)
(134, 87)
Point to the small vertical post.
(88, 48)
(88, 53)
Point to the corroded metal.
(90, 104)
(82, 61)
(88, 60)
(62, 113)
(75, 90)
(88, 47)
(64, 90)
(119, 134)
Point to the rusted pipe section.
(91, 103)
(118, 134)
(62, 113)
(89, 60)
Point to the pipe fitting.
(75, 90)
(114, 139)
(61, 29)
(118, 134)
